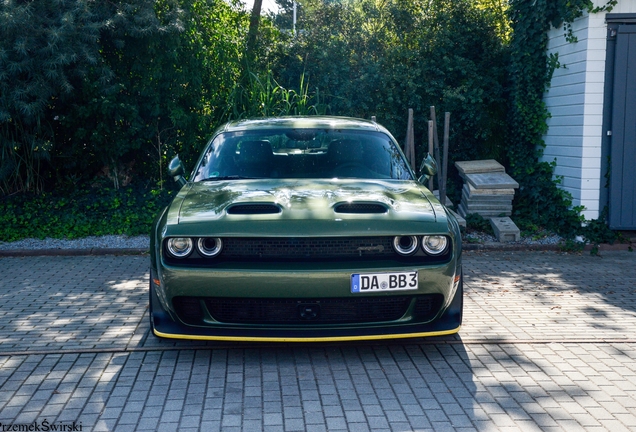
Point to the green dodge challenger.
(304, 229)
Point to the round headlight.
(179, 247)
(209, 246)
(434, 245)
(405, 245)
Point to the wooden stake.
(438, 159)
(410, 140)
(442, 187)
(430, 150)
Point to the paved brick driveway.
(548, 343)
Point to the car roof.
(308, 122)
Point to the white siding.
(575, 100)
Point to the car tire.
(458, 300)
(152, 297)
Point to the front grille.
(283, 311)
(300, 248)
(307, 249)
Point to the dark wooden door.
(622, 193)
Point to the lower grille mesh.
(307, 311)
(277, 311)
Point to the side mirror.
(428, 168)
(176, 171)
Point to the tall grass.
(263, 96)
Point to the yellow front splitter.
(305, 339)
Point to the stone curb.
(611, 247)
(72, 252)
(507, 247)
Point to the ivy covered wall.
(575, 100)
(540, 198)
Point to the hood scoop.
(254, 209)
(360, 208)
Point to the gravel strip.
(480, 237)
(102, 242)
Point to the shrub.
(85, 212)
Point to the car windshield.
(302, 153)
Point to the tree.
(252, 33)
(371, 57)
(95, 86)
(44, 46)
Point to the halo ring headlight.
(209, 246)
(179, 247)
(405, 245)
(435, 244)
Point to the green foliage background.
(96, 97)
(381, 58)
(86, 212)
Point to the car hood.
(305, 207)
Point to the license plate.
(369, 282)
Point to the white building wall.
(575, 101)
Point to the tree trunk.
(250, 52)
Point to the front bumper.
(273, 284)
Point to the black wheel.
(458, 300)
(152, 298)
